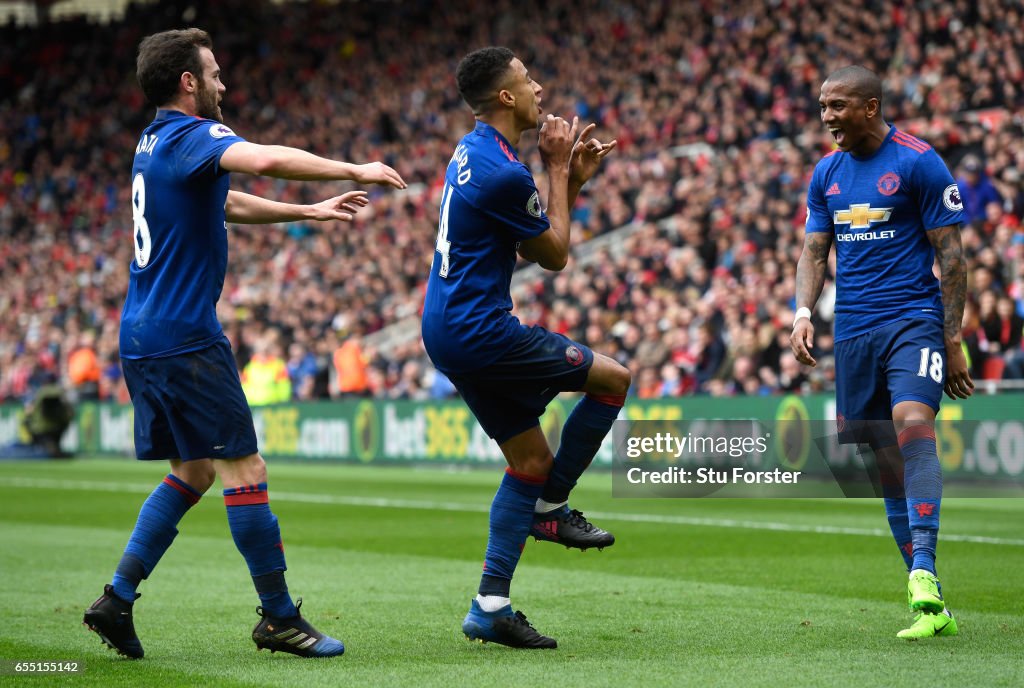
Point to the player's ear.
(188, 82)
(506, 98)
(871, 107)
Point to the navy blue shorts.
(509, 396)
(902, 361)
(190, 406)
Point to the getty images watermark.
(797, 458)
(701, 449)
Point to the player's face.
(527, 93)
(209, 89)
(845, 114)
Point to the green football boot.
(923, 594)
(928, 625)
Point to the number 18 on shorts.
(902, 361)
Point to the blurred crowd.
(714, 106)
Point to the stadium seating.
(714, 106)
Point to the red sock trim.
(616, 400)
(189, 497)
(917, 432)
(532, 479)
(246, 499)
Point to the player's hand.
(802, 340)
(959, 384)
(343, 207)
(378, 173)
(556, 141)
(587, 155)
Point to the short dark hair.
(861, 80)
(164, 57)
(480, 74)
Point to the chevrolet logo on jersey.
(861, 215)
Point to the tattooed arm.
(953, 272)
(810, 278)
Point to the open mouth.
(838, 134)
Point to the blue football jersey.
(879, 209)
(181, 244)
(489, 204)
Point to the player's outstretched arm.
(810, 278)
(291, 163)
(246, 209)
(953, 276)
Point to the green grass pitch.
(699, 592)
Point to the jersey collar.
(162, 115)
(885, 142)
(485, 129)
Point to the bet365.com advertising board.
(982, 437)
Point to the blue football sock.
(582, 435)
(257, 536)
(895, 498)
(899, 524)
(511, 517)
(153, 534)
(923, 483)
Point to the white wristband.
(802, 312)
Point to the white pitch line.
(387, 503)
